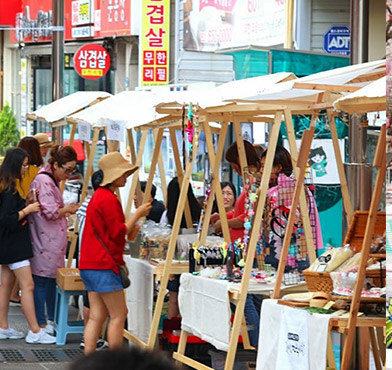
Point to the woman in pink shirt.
(48, 230)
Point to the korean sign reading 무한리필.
(155, 38)
(92, 61)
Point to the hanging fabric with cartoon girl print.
(318, 161)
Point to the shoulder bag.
(125, 281)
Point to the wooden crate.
(321, 281)
(69, 279)
(357, 228)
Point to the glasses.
(228, 193)
(69, 171)
(26, 166)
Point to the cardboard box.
(69, 279)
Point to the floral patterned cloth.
(47, 230)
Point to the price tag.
(84, 131)
(116, 130)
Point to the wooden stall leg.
(254, 235)
(331, 362)
(135, 177)
(177, 160)
(240, 143)
(363, 345)
(161, 170)
(171, 248)
(182, 343)
(380, 162)
(72, 247)
(215, 160)
(375, 349)
(245, 334)
(302, 199)
(302, 160)
(90, 164)
(342, 176)
(381, 343)
(153, 166)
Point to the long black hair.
(173, 194)
(282, 157)
(10, 170)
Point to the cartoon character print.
(318, 161)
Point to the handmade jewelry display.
(192, 129)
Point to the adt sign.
(337, 40)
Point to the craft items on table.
(331, 259)
(216, 254)
(155, 240)
(336, 272)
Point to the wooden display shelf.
(177, 268)
(378, 255)
(340, 324)
(363, 299)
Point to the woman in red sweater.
(102, 251)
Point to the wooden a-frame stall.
(215, 164)
(172, 120)
(323, 101)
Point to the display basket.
(321, 281)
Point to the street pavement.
(17, 354)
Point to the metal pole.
(57, 60)
(358, 171)
(359, 25)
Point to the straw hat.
(43, 140)
(114, 166)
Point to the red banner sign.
(92, 61)
(82, 19)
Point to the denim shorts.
(101, 281)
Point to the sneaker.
(49, 328)
(42, 337)
(101, 344)
(15, 303)
(11, 334)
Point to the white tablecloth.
(205, 306)
(139, 297)
(291, 338)
(205, 309)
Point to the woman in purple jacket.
(48, 230)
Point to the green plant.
(9, 133)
